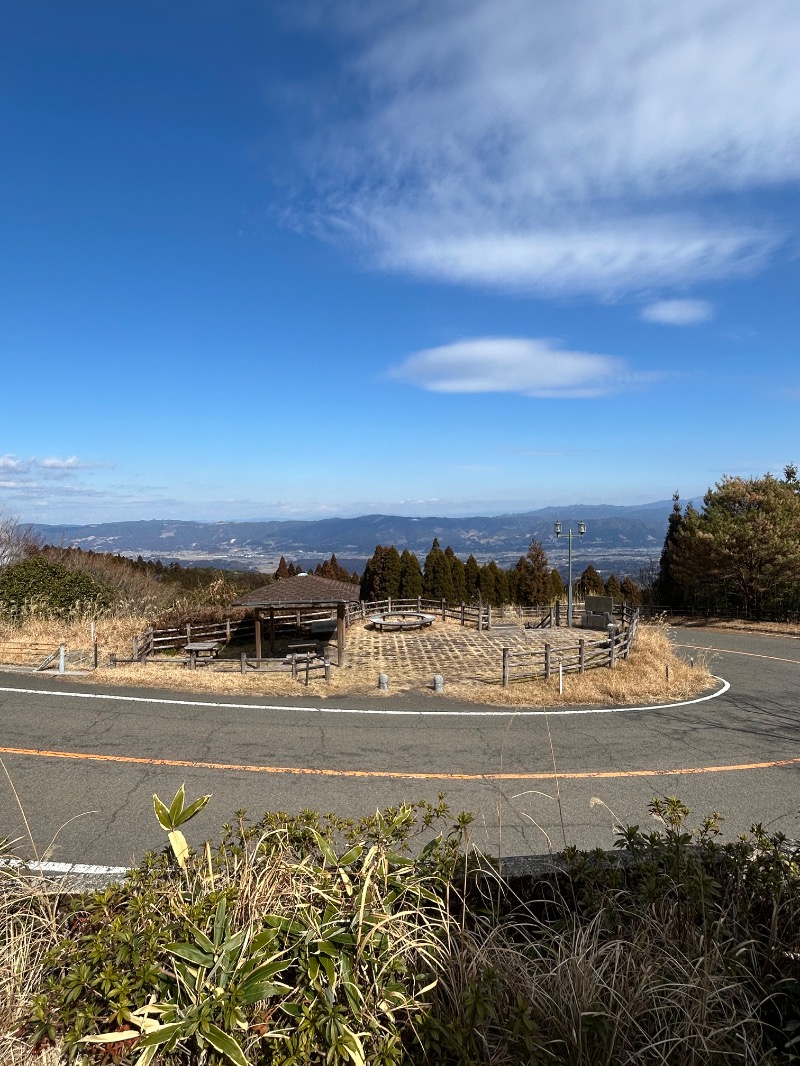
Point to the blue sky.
(266, 260)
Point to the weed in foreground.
(308, 939)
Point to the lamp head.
(581, 528)
(557, 528)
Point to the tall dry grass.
(527, 991)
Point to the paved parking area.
(446, 648)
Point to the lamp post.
(557, 529)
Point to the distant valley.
(622, 539)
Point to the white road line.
(387, 712)
(63, 868)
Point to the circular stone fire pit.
(401, 620)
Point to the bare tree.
(16, 541)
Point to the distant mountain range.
(619, 539)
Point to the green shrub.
(39, 586)
(296, 940)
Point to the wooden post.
(419, 604)
(489, 617)
(188, 633)
(505, 668)
(340, 633)
(95, 652)
(558, 613)
(611, 646)
(444, 610)
(582, 655)
(547, 650)
(258, 632)
(462, 614)
(227, 630)
(272, 630)
(135, 648)
(62, 658)
(192, 660)
(389, 602)
(244, 662)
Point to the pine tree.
(486, 583)
(438, 582)
(613, 588)
(457, 576)
(590, 583)
(381, 578)
(557, 590)
(283, 569)
(631, 594)
(471, 578)
(668, 589)
(410, 576)
(533, 585)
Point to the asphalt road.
(529, 779)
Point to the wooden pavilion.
(310, 598)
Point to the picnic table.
(202, 651)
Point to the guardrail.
(37, 656)
(541, 662)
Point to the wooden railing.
(542, 661)
(463, 613)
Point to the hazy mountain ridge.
(617, 537)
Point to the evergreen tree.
(502, 593)
(438, 582)
(381, 578)
(533, 586)
(410, 576)
(283, 569)
(486, 583)
(630, 592)
(613, 588)
(471, 578)
(590, 583)
(743, 550)
(557, 590)
(668, 589)
(457, 576)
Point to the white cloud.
(581, 147)
(532, 367)
(678, 312)
(53, 463)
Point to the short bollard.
(438, 683)
(383, 682)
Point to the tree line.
(443, 576)
(739, 553)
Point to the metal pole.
(569, 587)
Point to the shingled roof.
(301, 589)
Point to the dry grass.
(590, 999)
(469, 662)
(29, 924)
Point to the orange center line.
(400, 774)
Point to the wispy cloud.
(678, 312)
(530, 366)
(585, 147)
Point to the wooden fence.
(530, 663)
(463, 613)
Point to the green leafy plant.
(170, 818)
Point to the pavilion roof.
(299, 590)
